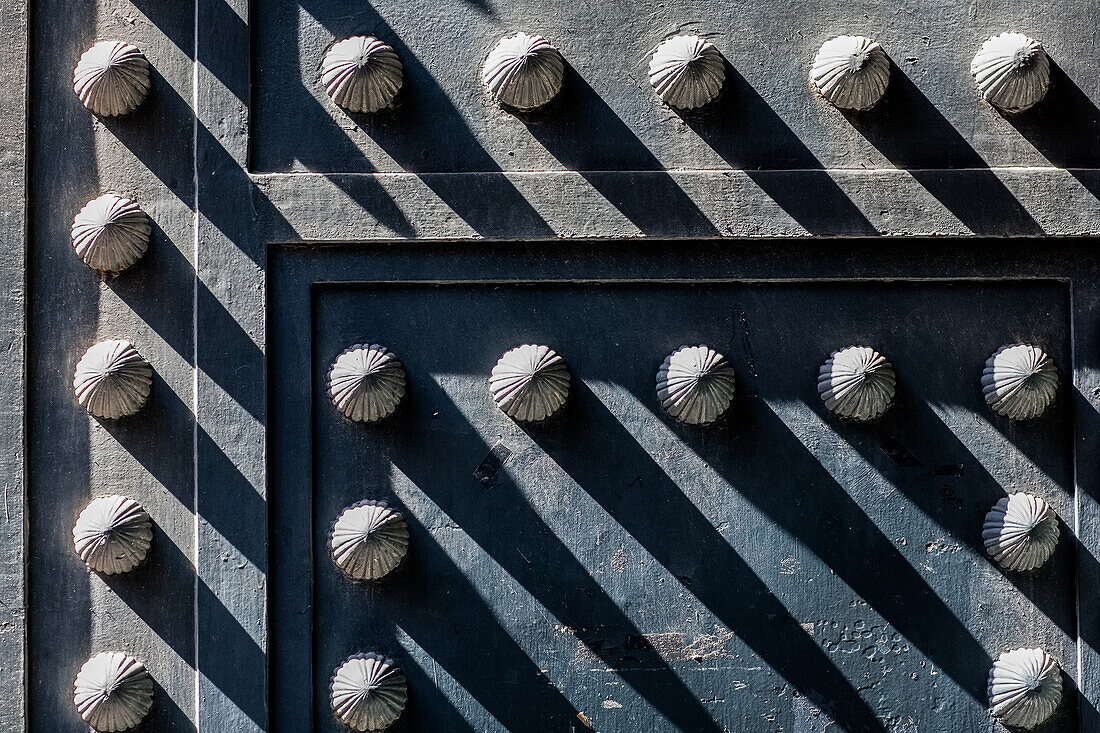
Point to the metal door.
(611, 569)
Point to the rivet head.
(1012, 72)
(111, 233)
(857, 382)
(695, 384)
(113, 534)
(530, 382)
(112, 379)
(366, 382)
(112, 78)
(362, 74)
(369, 540)
(1020, 532)
(687, 72)
(113, 692)
(1025, 687)
(1019, 381)
(368, 692)
(851, 72)
(523, 72)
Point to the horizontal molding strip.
(294, 207)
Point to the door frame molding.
(15, 38)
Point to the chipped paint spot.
(811, 718)
(642, 651)
(618, 563)
(492, 463)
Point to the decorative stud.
(695, 384)
(113, 692)
(368, 692)
(366, 382)
(1019, 381)
(851, 72)
(687, 71)
(112, 78)
(1025, 687)
(113, 534)
(1012, 72)
(523, 72)
(112, 380)
(369, 540)
(111, 233)
(1020, 532)
(857, 382)
(362, 74)
(530, 382)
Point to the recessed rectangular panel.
(779, 570)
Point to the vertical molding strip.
(14, 37)
(1085, 302)
(230, 398)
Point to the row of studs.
(695, 384)
(524, 72)
(113, 691)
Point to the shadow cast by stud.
(913, 135)
(734, 125)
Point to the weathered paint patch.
(810, 718)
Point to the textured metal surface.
(784, 569)
(607, 117)
(14, 80)
(74, 157)
(768, 162)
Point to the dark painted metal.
(779, 571)
(610, 566)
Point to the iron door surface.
(611, 568)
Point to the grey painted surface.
(74, 157)
(230, 402)
(13, 232)
(608, 118)
(679, 204)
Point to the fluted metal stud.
(530, 382)
(369, 540)
(1012, 72)
(112, 379)
(368, 692)
(113, 534)
(111, 233)
(362, 74)
(687, 72)
(1020, 532)
(523, 72)
(113, 692)
(857, 383)
(112, 78)
(1019, 381)
(366, 382)
(851, 72)
(1025, 688)
(695, 384)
